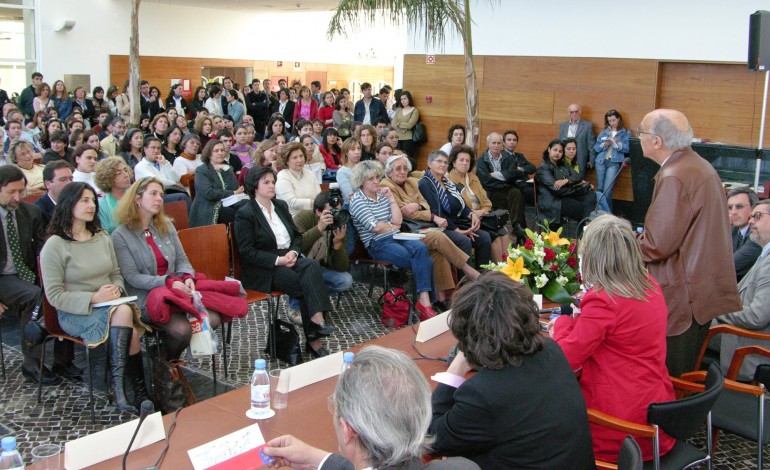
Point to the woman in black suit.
(284, 106)
(175, 100)
(214, 181)
(524, 394)
(271, 260)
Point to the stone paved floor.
(64, 413)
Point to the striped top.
(366, 213)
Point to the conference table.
(306, 417)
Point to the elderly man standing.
(500, 174)
(740, 201)
(754, 290)
(686, 244)
(583, 133)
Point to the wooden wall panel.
(722, 101)
(516, 105)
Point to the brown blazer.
(408, 194)
(686, 242)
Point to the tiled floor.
(64, 413)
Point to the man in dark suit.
(369, 109)
(56, 175)
(583, 133)
(523, 166)
(23, 236)
(745, 251)
(148, 103)
(381, 410)
(315, 92)
(258, 107)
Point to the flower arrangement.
(546, 263)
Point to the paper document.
(234, 199)
(122, 300)
(227, 449)
(408, 236)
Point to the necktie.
(18, 260)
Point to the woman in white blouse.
(85, 157)
(295, 184)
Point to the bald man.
(686, 241)
(583, 133)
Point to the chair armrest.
(611, 422)
(741, 353)
(602, 465)
(688, 386)
(700, 376)
(728, 329)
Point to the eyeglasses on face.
(758, 215)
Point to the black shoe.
(442, 305)
(68, 370)
(324, 329)
(316, 353)
(32, 374)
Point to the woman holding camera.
(295, 184)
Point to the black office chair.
(680, 419)
(630, 456)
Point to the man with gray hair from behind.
(686, 242)
(381, 411)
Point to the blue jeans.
(408, 254)
(335, 281)
(605, 174)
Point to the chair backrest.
(207, 249)
(48, 311)
(177, 210)
(234, 253)
(630, 456)
(681, 419)
(31, 199)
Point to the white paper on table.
(235, 198)
(226, 447)
(538, 300)
(81, 453)
(121, 300)
(433, 327)
(314, 371)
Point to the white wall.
(702, 30)
(103, 29)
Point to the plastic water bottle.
(260, 390)
(347, 361)
(10, 459)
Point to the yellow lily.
(554, 238)
(516, 269)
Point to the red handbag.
(395, 308)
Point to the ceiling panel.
(264, 6)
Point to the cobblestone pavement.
(64, 413)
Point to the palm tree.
(432, 17)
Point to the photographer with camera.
(323, 232)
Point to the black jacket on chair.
(257, 246)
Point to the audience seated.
(463, 226)
(58, 149)
(190, 159)
(523, 408)
(21, 154)
(214, 182)
(330, 150)
(172, 144)
(740, 202)
(560, 190)
(113, 177)
(56, 175)
(295, 184)
(377, 219)
(269, 246)
(754, 290)
(79, 270)
(266, 154)
(315, 161)
(619, 337)
(116, 129)
(131, 147)
(85, 163)
(381, 411)
(351, 155)
(155, 165)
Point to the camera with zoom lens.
(340, 216)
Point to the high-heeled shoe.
(426, 311)
(316, 353)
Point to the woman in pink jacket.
(618, 338)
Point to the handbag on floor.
(287, 346)
(171, 390)
(395, 308)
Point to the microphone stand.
(147, 409)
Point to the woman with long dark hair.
(131, 147)
(406, 117)
(330, 150)
(611, 150)
(80, 272)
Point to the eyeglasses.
(758, 215)
(639, 132)
(736, 206)
(574, 112)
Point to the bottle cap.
(348, 357)
(259, 364)
(8, 443)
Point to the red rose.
(529, 244)
(554, 267)
(572, 262)
(550, 255)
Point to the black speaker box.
(759, 41)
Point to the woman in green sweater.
(80, 274)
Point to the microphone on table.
(146, 410)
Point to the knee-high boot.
(120, 342)
(136, 375)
